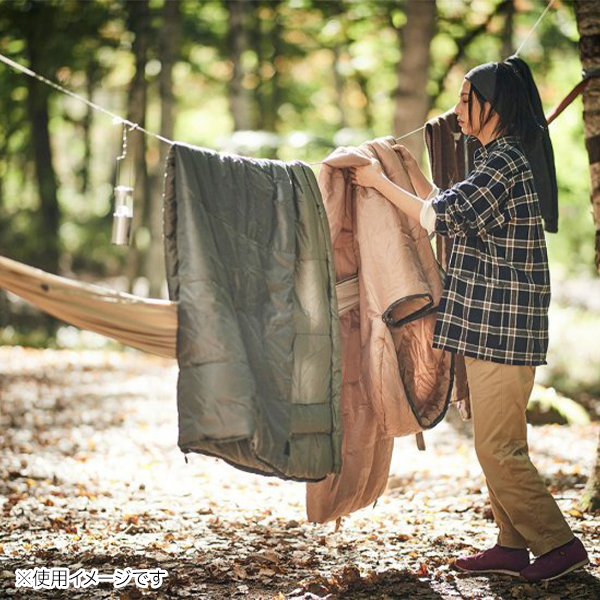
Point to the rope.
(395, 139)
(410, 133)
(60, 88)
(534, 27)
(578, 89)
(119, 119)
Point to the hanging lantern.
(122, 215)
(123, 203)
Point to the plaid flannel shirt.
(497, 289)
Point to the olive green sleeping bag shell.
(248, 257)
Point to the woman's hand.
(410, 162)
(421, 184)
(368, 175)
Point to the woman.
(494, 310)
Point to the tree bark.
(412, 100)
(139, 24)
(168, 45)
(587, 13)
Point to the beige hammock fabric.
(145, 323)
(148, 324)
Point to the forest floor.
(91, 477)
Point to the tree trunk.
(590, 500)
(587, 13)
(508, 48)
(363, 82)
(240, 98)
(168, 44)
(139, 24)
(37, 108)
(257, 43)
(339, 85)
(90, 83)
(271, 119)
(336, 10)
(412, 101)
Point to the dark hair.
(512, 105)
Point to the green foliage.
(317, 74)
(547, 406)
(573, 354)
(89, 47)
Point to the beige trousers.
(523, 508)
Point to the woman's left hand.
(368, 175)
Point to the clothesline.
(120, 120)
(534, 27)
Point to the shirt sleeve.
(475, 205)
(427, 215)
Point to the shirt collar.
(503, 140)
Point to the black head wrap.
(483, 78)
(540, 153)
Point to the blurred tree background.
(287, 79)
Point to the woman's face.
(462, 112)
(462, 108)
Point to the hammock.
(148, 324)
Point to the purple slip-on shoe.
(509, 561)
(557, 562)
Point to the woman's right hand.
(410, 161)
(421, 184)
